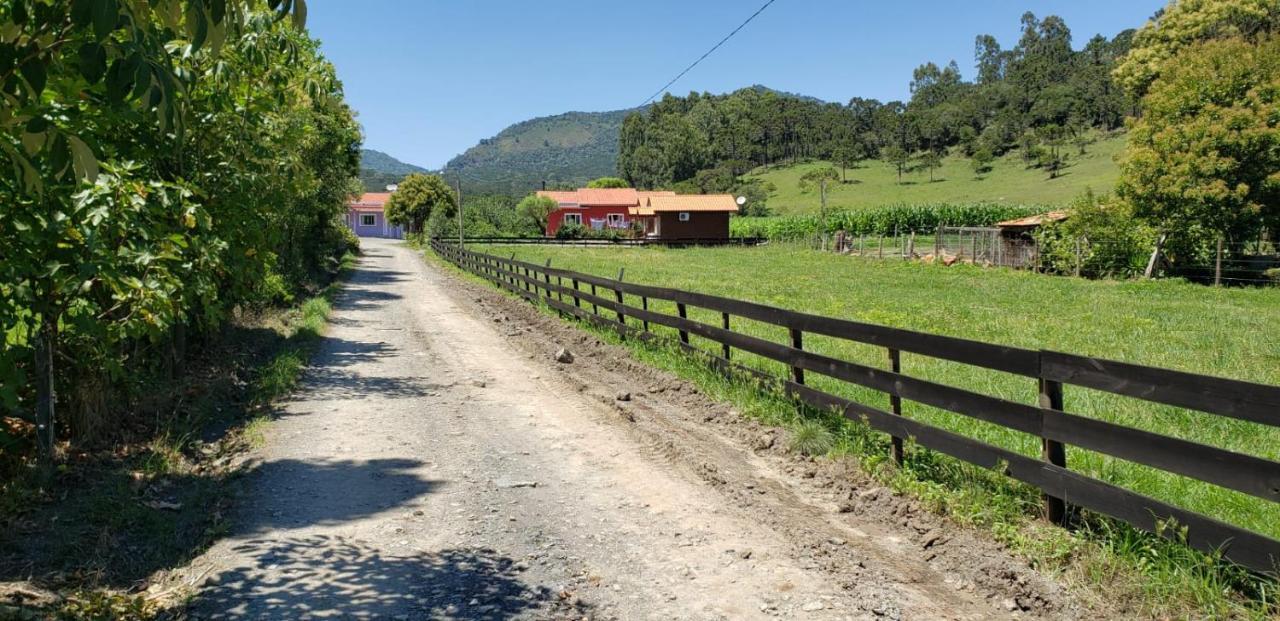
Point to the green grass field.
(875, 183)
(1224, 332)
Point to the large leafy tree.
(535, 209)
(608, 182)
(1204, 158)
(169, 159)
(1185, 23)
(418, 196)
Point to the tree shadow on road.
(327, 384)
(321, 576)
(297, 494)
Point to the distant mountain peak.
(378, 170)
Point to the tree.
(536, 209)
(1202, 160)
(417, 197)
(897, 157)
(819, 178)
(171, 159)
(932, 160)
(981, 161)
(608, 182)
(848, 156)
(1182, 24)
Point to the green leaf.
(93, 62)
(106, 13)
(197, 24)
(300, 13)
(82, 158)
(217, 10)
(120, 77)
(34, 142)
(141, 80)
(35, 73)
(82, 12)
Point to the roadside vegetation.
(94, 539)
(1163, 323)
(173, 215)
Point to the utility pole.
(822, 193)
(461, 240)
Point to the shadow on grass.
(323, 576)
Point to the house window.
(573, 218)
(615, 220)
(368, 219)
(684, 216)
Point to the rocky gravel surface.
(443, 459)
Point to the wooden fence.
(622, 241)
(567, 292)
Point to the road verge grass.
(1147, 574)
(98, 538)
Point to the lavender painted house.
(366, 217)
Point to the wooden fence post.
(546, 277)
(595, 308)
(724, 347)
(895, 403)
(577, 301)
(684, 314)
(644, 304)
(1055, 509)
(1217, 265)
(1079, 257)
(622, 319)
(797, 342)
(911, 247)
(880, 252)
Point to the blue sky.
(430, 78)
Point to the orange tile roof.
(608, 197)
(691, 202)
(372, 198)
(559, 196)
(1036, 220)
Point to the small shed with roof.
(687, 216)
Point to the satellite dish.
(742, 200)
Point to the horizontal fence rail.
(572, 292)
(639, 241)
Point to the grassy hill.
(1009, 181)
(567, 149)
(378, 170)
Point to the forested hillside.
(378, 170)
(564, 150)
(1039, 96)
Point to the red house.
(661, 215)
(612, 208)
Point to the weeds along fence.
(630, 309)
(621, 241)
(980, 245)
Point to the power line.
(704, 56)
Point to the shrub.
(1112, 243)
(811, 437)
(571, 231)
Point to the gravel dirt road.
(437, 462)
